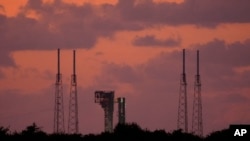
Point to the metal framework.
(73, 103)
(197, 125)
(58, 111)
(106, 100)
(182, 120)
(121, 110)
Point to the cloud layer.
(62, 25)
(150, 40)
(203, 13)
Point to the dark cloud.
(62, 25)
(70, 26)
(232, 55)
(56, 29)
(118, 71)
(204, 13)
(1, 74)
(150, 40)
(5, 58)
(219, 61)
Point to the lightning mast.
(73, 105)
(182, 120)
(197, 125)
(58, 111)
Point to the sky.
(133, 47)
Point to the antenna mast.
(73, 104)
(58, 111)
(182, 120)
(197, 125)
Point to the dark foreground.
(127, 132)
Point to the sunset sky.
(133, 47)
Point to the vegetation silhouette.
(122, 132)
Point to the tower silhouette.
(106, 100)
(73, 103)
(182, 120)
(58, 111)
(197, 125)
(121, 110)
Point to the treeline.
(122, 132)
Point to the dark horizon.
(127, 131)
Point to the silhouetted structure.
(182, 120)
(58, 111)
(197, 125)
(121, 110)
(73, 102)
(106, 100)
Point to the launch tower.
(106, 100)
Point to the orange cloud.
(12, 7)
(97, 2)
(175, 1)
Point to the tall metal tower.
(58, 111)
(121, 110)
(182, 121)
(106, 100)
(73, 105)
(197, 125)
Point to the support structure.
(106, 100)
(58, 111)
(73, 103)
(182, 120)
(197, 125)
(121, 110)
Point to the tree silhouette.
(182, 136)
(3, 131)
(224, 134)
(32, 129)
(128, 131)
(32, 132)
(122, 132)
